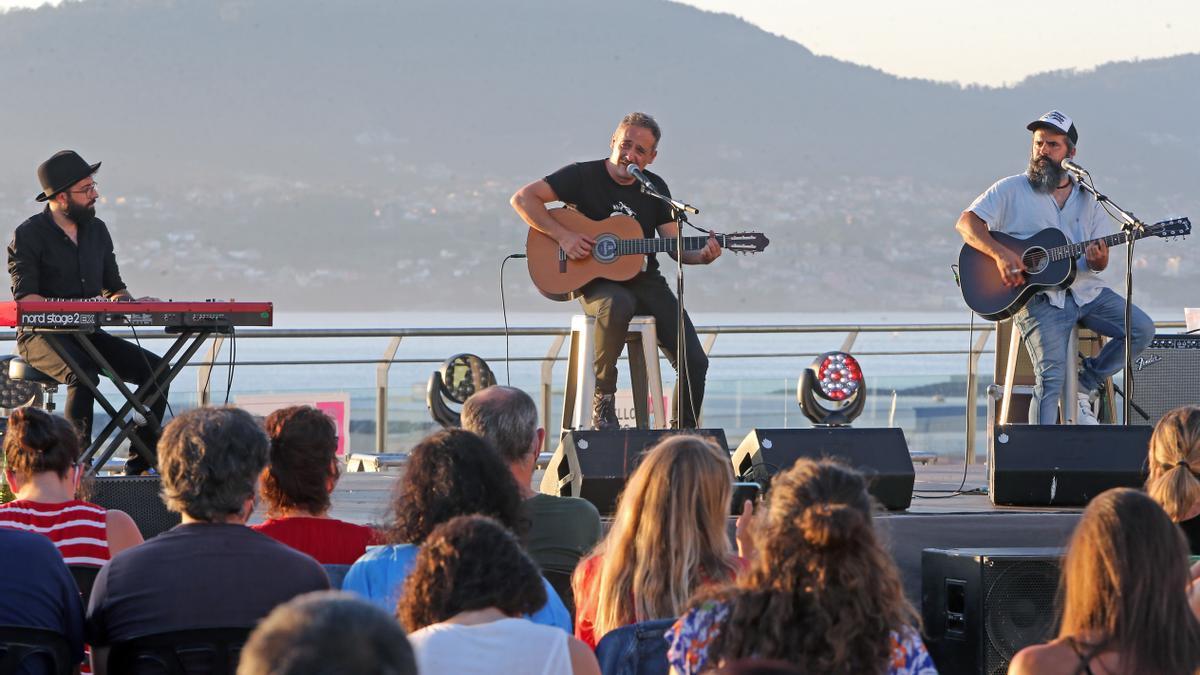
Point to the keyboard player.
(65, 252)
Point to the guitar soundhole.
(605, 250)
(1036, 259)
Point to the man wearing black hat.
(66, 253)
(1021, 205)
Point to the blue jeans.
(1047, 330)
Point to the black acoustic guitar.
(1049, 262)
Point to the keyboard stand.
(172, 363)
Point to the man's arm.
(703, 256)
(530, 203)
(975, 233)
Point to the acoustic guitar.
(618, 254)
(1049, 260)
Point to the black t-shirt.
(1191, 528)
(197, 575)
(588, 187)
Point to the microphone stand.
(1132, 227)
(679, 211)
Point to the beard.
(1045, 175)
(81, 213)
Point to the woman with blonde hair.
(667, 540)
(1124, 596)
(822, 593)
(1174, 462)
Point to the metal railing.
(559, 335)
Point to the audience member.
(561, 529)
(667, 540)
(450, 473)
(1125, 610)
(41, 453)
(463, 600)
(301, 474)
(327, 633)
(1174, 462)
(822, 593)
(211, 571)
(37, 590)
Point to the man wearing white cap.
(1021, 205)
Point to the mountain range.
(359, 154)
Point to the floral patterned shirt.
(689, 639)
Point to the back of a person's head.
(36, 441)
(210, 460)
(668, 534)
(506, 417)
(759, 667)
(450, 473)
(1175, 461)
(303, 460)
(1123, 583)
(823, 592)
(326, 633)
(469, 563)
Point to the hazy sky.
(969, 41)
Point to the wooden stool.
(646, 380)
(1068, 405)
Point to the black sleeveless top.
(1191, 528)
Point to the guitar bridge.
(562, 261)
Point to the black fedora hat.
(61, 171)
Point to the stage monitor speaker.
(1064, 465)
(1166, 376)
(980, 606)
(880, 454)
(595, 464)
(139, 496)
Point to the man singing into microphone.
(603, 188)
(65, 253)
(1047, 196)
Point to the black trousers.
(614, 304)
(132, 363)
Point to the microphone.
(1070, 165)
(636, 171)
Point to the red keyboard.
(171, 314)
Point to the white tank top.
(504, 646)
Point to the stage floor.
(935, 520)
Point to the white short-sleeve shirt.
(1012, 206)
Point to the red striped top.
(79, 529)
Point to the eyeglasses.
(92, 189)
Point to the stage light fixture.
(460, 376)
(836, 377)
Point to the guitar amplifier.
(1166, 376)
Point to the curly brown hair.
(36, 442)
(451, 473)
(467, 563)
(303, 459)
(823, 592)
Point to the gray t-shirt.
(197, 575)
(562, 530)
(1012, 206)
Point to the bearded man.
(1021, 205)
(65, 253)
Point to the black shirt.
(588, 187)
(42, 259)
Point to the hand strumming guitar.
(1012, 269)
(577, 246)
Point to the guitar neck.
(1076, 250)
(663, 244)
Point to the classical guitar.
(618, 254)
(1049, 262)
